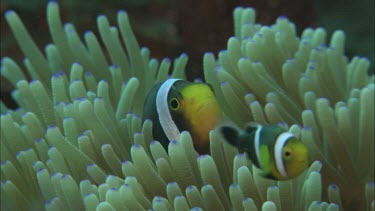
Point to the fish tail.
(230, 134)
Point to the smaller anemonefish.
(277, 152)
(178, 105)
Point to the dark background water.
(169, 28)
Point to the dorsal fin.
(251, 127)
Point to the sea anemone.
(77, 140)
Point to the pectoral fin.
(265, 158)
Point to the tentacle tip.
(255, 102)
(224, 83)
(153, 142)
(50, 127)
(136, 146)
(334, 186)
(89, 194)
(58, 103)
(223, 51)
(6, 113)
(106, 146)
(273, 187)
(87, 73)
(4, 162)
(50, 201)
(115, 66)
(122, 12)
(80, 99)
(209, 53)
(241, 155)
(56, 75)
(319, 162)
(366, 59)
(91, 165)
(40, 170)
(259, 34)
(334, 204)
(199, 80)
(51, 148)
(238, 8)
(317, 202)
(54, 174)
(283, 124)
(33, 81)
(190, 187)
(100, 16)
(203, 156)
(247, 199)
(24, 114)
(234, 185)
(9, 12)
(65, 176)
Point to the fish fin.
(251, 127)
(264, 159)
(267, 176)
(230, 134)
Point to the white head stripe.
(257, 143)
(279, 145)
(165, 118)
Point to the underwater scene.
(259, 112)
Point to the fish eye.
(174, 104)
(287, 153)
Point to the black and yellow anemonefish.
(277, 152)
(178, 105)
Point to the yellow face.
(202, 112)
(295, 156)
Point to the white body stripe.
(165, 118)
(279, 145)
(257, 143)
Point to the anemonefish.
(277, 152)
(178, 105)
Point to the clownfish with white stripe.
(277, 152)
(178, 105)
